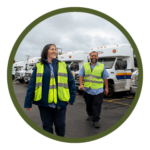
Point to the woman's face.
(52, 52)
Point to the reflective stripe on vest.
(93, 79)
(63, 90)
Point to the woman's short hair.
(45, 52)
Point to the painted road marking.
(122, 103)
(117, 99)
(117, 102)
(114, 101)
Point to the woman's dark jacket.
(45, 87)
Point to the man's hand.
(82, 87)
(81, 83)
(69, 103)
(29, 109)
(106, 91)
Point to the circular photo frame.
(25, 32)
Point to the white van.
(20, 70)
(30, 67)
(75, 60)
(120, 62)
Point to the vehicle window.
(108, 62)
(14, 69)
(135, 62)
(29, 67)
(18, 68)
(74, 66)
(118, 65)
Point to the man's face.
(94, 57)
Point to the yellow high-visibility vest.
(62, 90)
(93, 79)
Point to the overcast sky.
(70, 31)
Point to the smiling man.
(95, 76)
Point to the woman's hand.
(29, 109)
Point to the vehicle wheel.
(110, 91)
(80, 92)
(21, 81)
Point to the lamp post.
(27, 57)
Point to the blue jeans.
(53, 115)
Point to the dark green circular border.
(11, 59)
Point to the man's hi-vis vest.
(63, 90)
(93, 79)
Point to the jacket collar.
(54, 61)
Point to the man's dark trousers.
(93, 105)
(53, 115)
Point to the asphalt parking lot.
(112, 111)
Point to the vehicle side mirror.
(124, 64)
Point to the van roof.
(20, 63)
(72, 56)
(113, 50)
(33, 60)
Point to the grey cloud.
(69, 32)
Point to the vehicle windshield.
(68, 63)
(29, 67)
(74, 66)
(108, 62)
(18, 68)
(14, 69)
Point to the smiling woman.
(51, 87)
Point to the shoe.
(89, 118)
(96, 124)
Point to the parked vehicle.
(120, 62)
(134, 82)
(21, 68)
(75, 60)
(13, 71)
(30, 67)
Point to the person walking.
(52, 88)
(93, 74)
